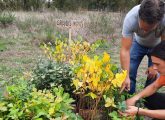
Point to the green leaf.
(10, 105)
(42, 113)
(114, 115)
(3, 109)
(38, 119)
(122, 106)
(59, 118)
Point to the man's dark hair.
(159, 50)
(151, 11)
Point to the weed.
(6, 18)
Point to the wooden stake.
(70, 36)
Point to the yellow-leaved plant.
(94, 77)
(61, 51)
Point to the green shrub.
(6, 18)
(48, 73)
(50, 36)
(18, 87)
(23, 102)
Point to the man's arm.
(145, 93)
(125, 60)
(163, 37)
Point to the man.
(154, 101)
(143, 29)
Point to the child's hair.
(159, 50)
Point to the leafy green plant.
(100, 43)
(48, 73)
(13, 97)
(25, 102)
(114, 115)
(6, 18)
(20, 89)
(47, 105)
(17, 86)
(50, 36)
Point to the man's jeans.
(136, 55)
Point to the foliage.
(115, 116)
(20, 89)
(23, 102)
(6, 18)
(121, 106)
(68, 5)
(50, 37)
(16, 93)
(62, 51)
(101, 43)
(95, 77)
(48, 73)
(21, 4)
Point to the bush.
(23, 102)
(6, 18)
(18, 87)
(48, 73)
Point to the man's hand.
(152, 74)
(126, 85)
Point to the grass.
(18, 52)
(2, 46)
(5, 44)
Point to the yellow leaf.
(107, 68)
(109, 102)
(75, 83)
(106, 58)
(95, 82)
(51, 111)
(119, 79)
(93, 95)
(91, 69)
(86, 58)
(80, 84)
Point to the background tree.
(69, 5)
